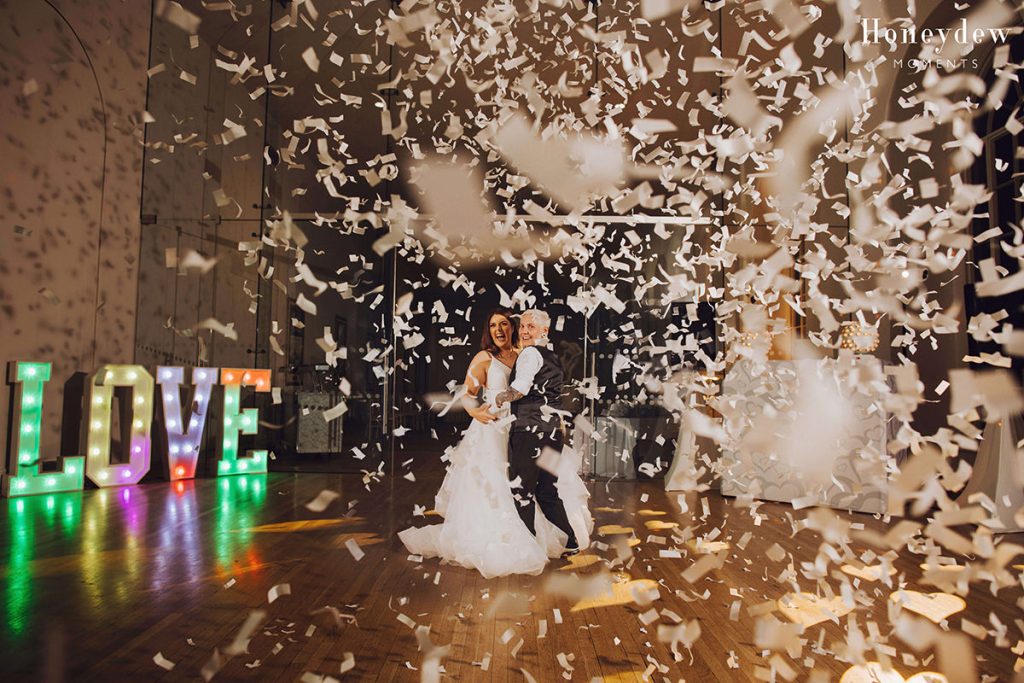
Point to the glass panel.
(325, 296)
(204, 147)
(652, 330)
(177, 302)
(349, 323)
(324, 126)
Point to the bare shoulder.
(481, 357)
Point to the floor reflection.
(239, 498)
(90, 555)
(29, 519)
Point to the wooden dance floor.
(96, 584)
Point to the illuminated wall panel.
(25, 472)
(184, 438)
(97, 459)
(237, 421)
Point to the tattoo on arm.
(507, 396)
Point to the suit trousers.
(536, 485)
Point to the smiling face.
(501, 332)
(530, 331)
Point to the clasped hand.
(483, 414)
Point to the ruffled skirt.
(482, 529)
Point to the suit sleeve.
(527, 365)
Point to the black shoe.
(570, 550)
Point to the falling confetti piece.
(277, 591)
(354, 548)
(162, 661)
(322, 501)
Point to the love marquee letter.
(184, 438)
(97, 460)
(238, 421)
(26, 476)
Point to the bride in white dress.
(481, 528)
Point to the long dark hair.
(487, 342)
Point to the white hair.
(539, 317)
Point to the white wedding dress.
(482, 529)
